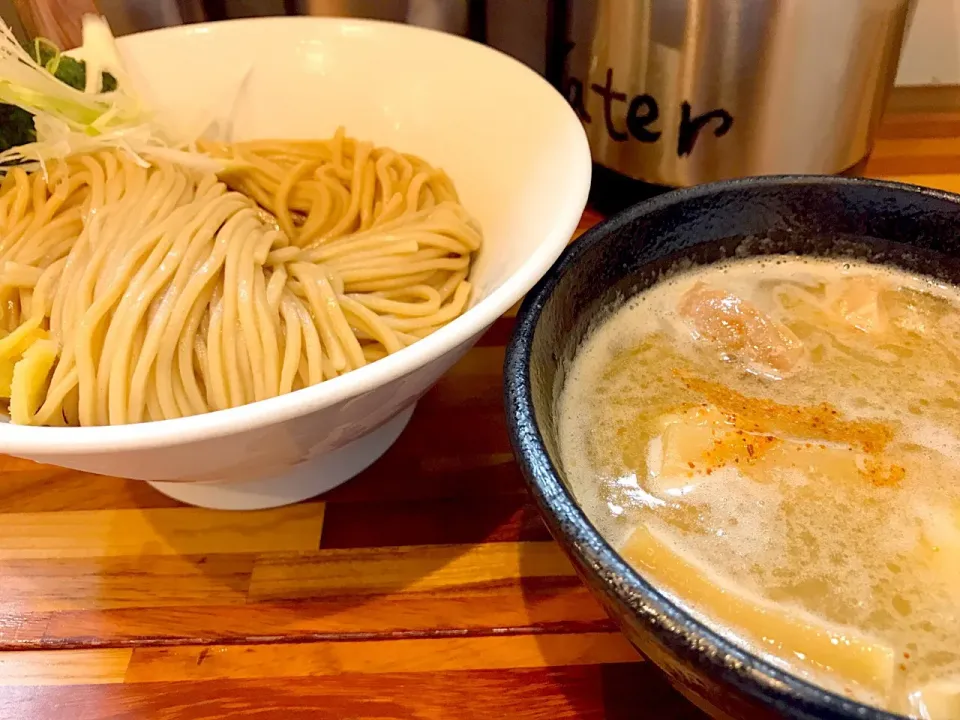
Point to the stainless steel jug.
(680, 92)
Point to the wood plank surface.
(425, 588)
(57, 20)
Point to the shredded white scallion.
(69, 121)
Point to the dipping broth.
(775, 442)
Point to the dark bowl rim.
(765, 681)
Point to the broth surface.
(776, 442)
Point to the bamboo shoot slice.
(941, 542)
(12, 348)
(30, 378)
(785, 634)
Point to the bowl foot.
(305, 481)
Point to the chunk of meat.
(740, 330)
(857, 301)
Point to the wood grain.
(411, 569)
(64, 584)
(186, 663)
(536, 606)
(67, 667)
(57, 20)
(167, 531)
(426, 588)
(582, 692)
(446, 521)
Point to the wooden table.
(426, 588)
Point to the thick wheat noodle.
(170, 293)
(429, 304)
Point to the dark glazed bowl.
(882, 222)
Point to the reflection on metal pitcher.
(640, 113)
(678, 92)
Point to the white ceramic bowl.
(520, 161)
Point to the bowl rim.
(53, 441)
(751, 674)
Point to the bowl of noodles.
(233, 256)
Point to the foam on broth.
(854, 536)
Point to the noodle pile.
(130, 294)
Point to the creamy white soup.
(776, 443)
